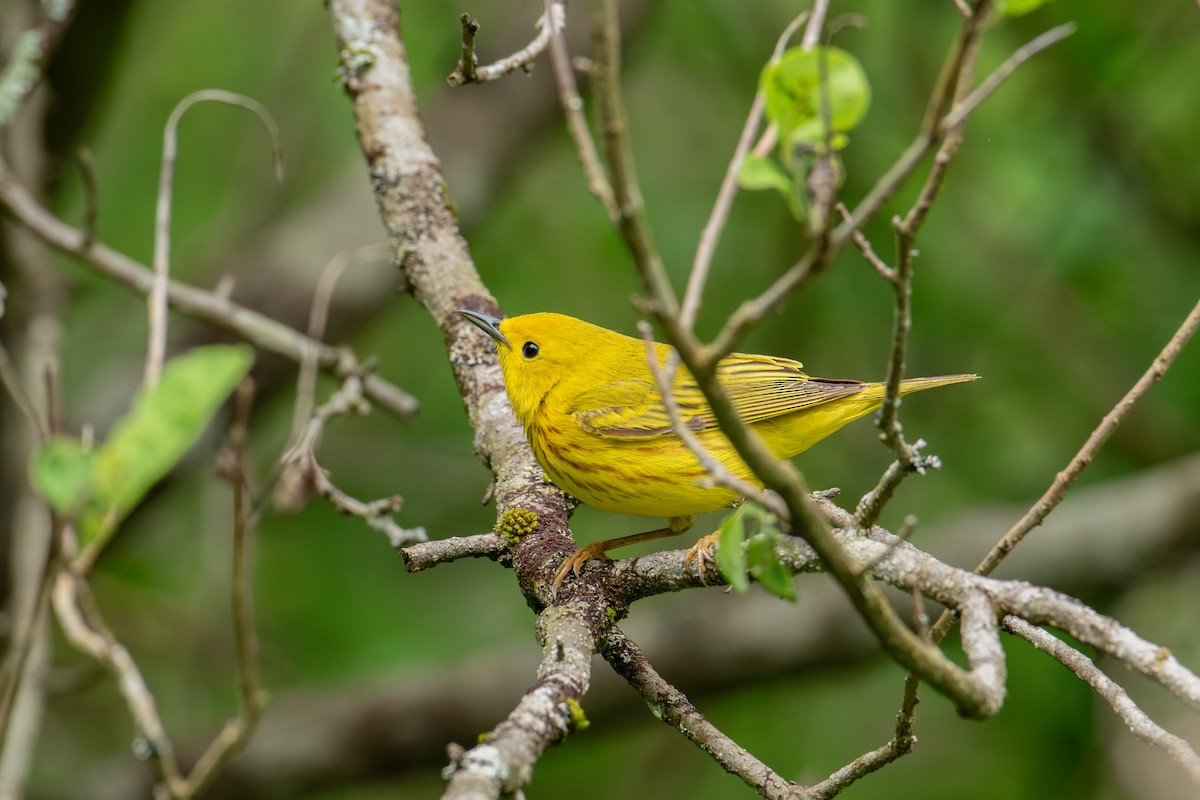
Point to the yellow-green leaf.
(162, 424)
(1018, 8)
(61, 472)
(766, 567)
(792, 87)
(731, 558)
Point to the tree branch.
(1086, 670)
(468, 71)
(211, 307)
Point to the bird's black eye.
(530, 349)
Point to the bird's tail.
(910, 385)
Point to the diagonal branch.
(1058, 489)
(503, 761)
(1086, 670)
(212, 308)
(672, 707)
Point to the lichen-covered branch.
(548, 711)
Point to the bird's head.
(537, 352)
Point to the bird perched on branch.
(597, 424)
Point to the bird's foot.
(574, 562)
(703, 554)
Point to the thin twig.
(252, 700)
(717, 472)
(631, 220)
(91, 194)
(1058, 489)
(908, 458)
(468, 61)
(868, 252)
(242, 594)
(964, 107)
(1085, 669)
(812, 33)
(302, 475)
(673, 707)
(577, 124)
(711, 233)
(468, 70)
(157, 300)
(862, 766)
(817, 258)
(214, 308)
(84, 629)
(10, 377)
(318, 316)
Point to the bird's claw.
(574, 562)
(703, 554)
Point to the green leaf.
(766, 567)
(793, 91)
(162, 424)
(61, 472)
(731, 558)
(758, 172)
(1018, 8)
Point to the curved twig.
(157, 300)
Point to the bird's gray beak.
(489, 325)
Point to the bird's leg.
(599, 550)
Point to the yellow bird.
(596, 422)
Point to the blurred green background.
(1060, 257)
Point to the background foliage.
(1060, 258)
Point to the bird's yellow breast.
(656, 477)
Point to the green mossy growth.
(578, 720)
(515, 523)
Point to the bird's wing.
(633, 409)
(760, 387)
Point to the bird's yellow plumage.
(596, 422)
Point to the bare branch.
(157, 300)
(90, 637)
(1062, 482)
(1086, 670)
(672, 707)
(812, 33)
(302, 474)
(468, 71)
(441, 551)
(577, 124)
(631, 220)
(411, 195)
(709, 236)
(963, 108)
(213, 308)
(503, 761)
(241, 592)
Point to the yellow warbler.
(596, 422)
